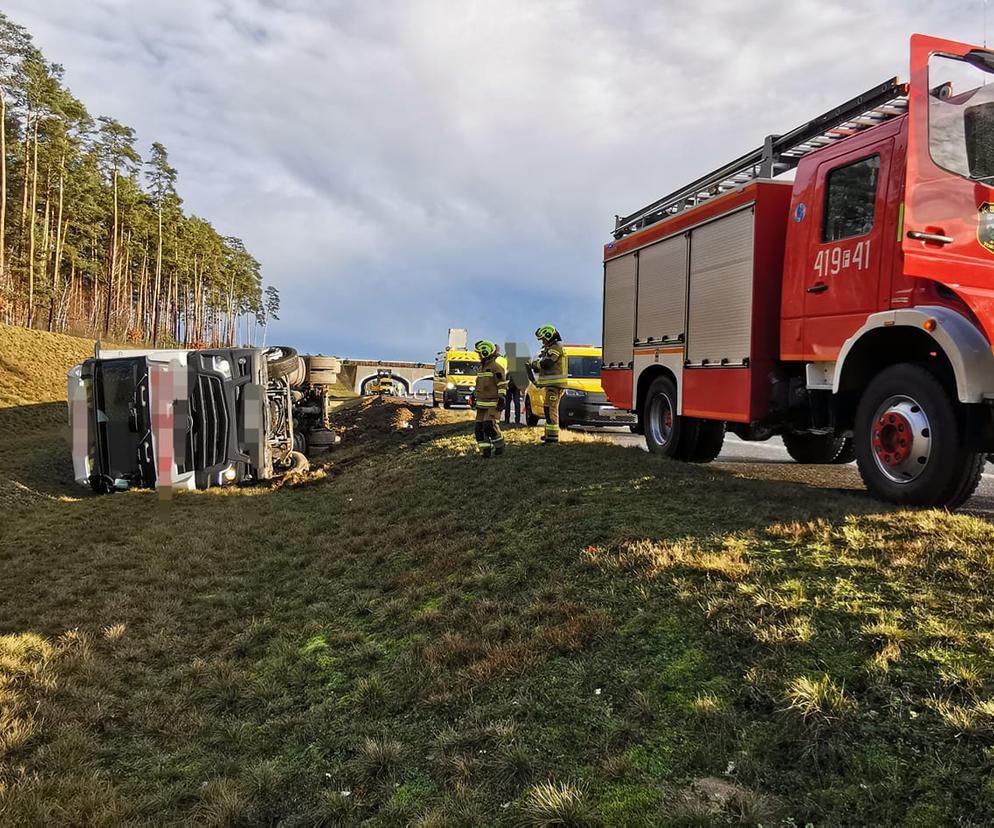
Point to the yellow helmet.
(547, 333)
(485, 348)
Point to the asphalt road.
(769, 460)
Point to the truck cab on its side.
(183, 419)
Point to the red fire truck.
(850, 310)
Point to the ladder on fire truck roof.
(779, 153)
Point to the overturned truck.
(196, 419)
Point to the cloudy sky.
(404, 167)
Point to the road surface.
(769, 460)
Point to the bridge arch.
(369, 379)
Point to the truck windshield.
(961, 117)
(463, 367)
(583, 367)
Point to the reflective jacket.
(491, 383)
(551, 365)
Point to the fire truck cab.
(850, 310)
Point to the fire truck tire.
(710, 439)
(281, 361)
(666, 432)
(813, 448)
(932, 468)
(847, 454)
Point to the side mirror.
(980, 58)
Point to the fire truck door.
(948, 232)
(848, 248)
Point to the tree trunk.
(59, 236)
(113, 263)
(31, 241)
(3, 188)
(157, 297)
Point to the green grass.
(573, 635)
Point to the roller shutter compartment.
(619, 310)
(662, 290)
(720, 314)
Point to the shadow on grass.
(35, 450)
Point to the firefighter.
(488, 398)
(551, 366)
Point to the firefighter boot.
(497, 437)
(552, 396)
(483, 439)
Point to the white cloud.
(402, 167)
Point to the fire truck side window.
(850, 198)
(961, 117)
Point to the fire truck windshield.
(961, 117)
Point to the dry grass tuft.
(818, 700)
(113, 632)
(974, 719)
(379, 758)
(223, 804)
(557, 804)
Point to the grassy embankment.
(415, 635)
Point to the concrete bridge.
(362, 375)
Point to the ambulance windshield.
(961, 117)
(463, 367)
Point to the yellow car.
(455, 377)
(583, 401)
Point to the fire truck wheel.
(847, 454)
(710, 438)
(281, 361)
(908, 445)
(814, 448)
(666, 432)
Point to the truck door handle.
(935, 238)
(821, 287)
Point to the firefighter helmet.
(485, 348)
(546, 333)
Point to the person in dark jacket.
(513, 398)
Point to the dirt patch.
(378, 418)
(722, 801)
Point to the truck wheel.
(710, 438)
(531, 418)
(907, 440)
(813, 448)
(281, 361)
(666, 432)
(299, 442)
(847, 454)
